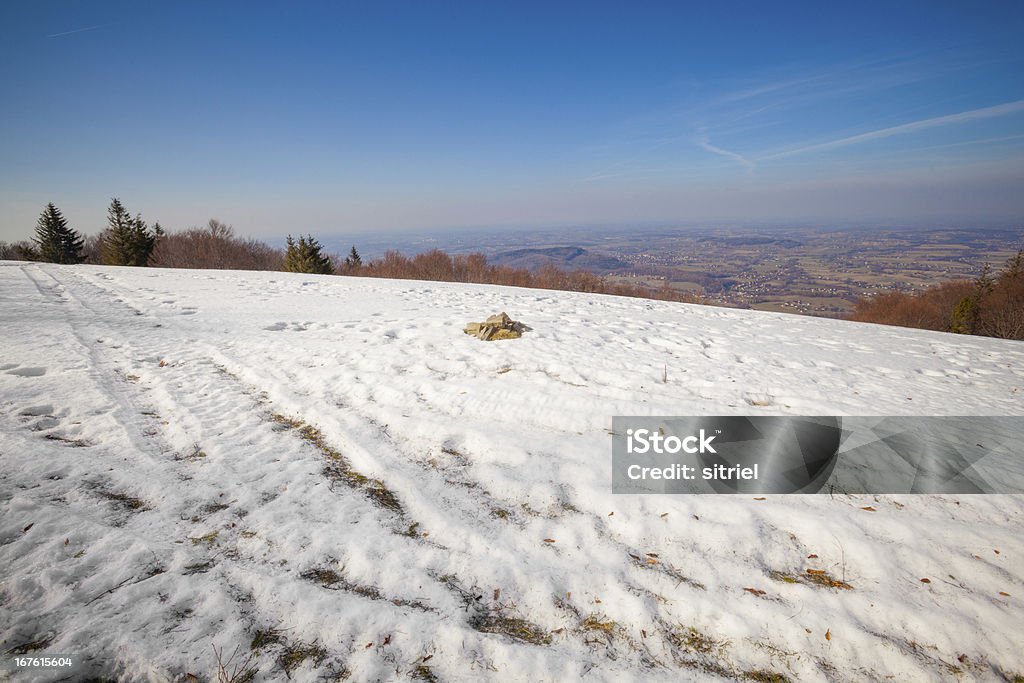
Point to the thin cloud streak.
(914, 126)
(77, 30)
(730, 113)
(707, 146)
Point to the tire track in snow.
(438, 572)
(195, 403)
(465, 498)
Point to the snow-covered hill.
(326, 474)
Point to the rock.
(496, 327)
(502, 320)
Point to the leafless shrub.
(436, 265)
(215, 246)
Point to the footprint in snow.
(36, 411)
(27, 372)
(44, 423)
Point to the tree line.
(991, 305)
(130, 241)
(126, 241)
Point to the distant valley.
(812, 270)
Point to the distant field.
(812, 270)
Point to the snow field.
(327, 475)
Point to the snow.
(189, 459)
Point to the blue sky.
(343, 117)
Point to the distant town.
(812, 270)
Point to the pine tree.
(128, 241)
(964, 318)
(55, 241)
(143, 241)
(353, 261)
(306, 256)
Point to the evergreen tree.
(353, 261)
(55, 241)
(128, 241)
(306, 256)
(143, 241)
(964, 318)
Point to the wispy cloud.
(739, 121)
(707, 146)
(77, 30)
(912, 127)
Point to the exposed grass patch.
(338, 468)
(333, 580)
(782, 576)
(692, 640)
(224, 371)
(820, 577)
(209, 509)
(267, 637)
(296, 654)
(383, 496)
(517, 629)
(812, 577)
(595, 623)
(75, 443)
(208, 538)
(197, 568)
(124, 501)
(695, 649)
(191, 455)
(328, 578)
(764, 676)
(487, 619)
(422, 672)
(127, 376)
(33, 646)
(286, 422)
(651, 562)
